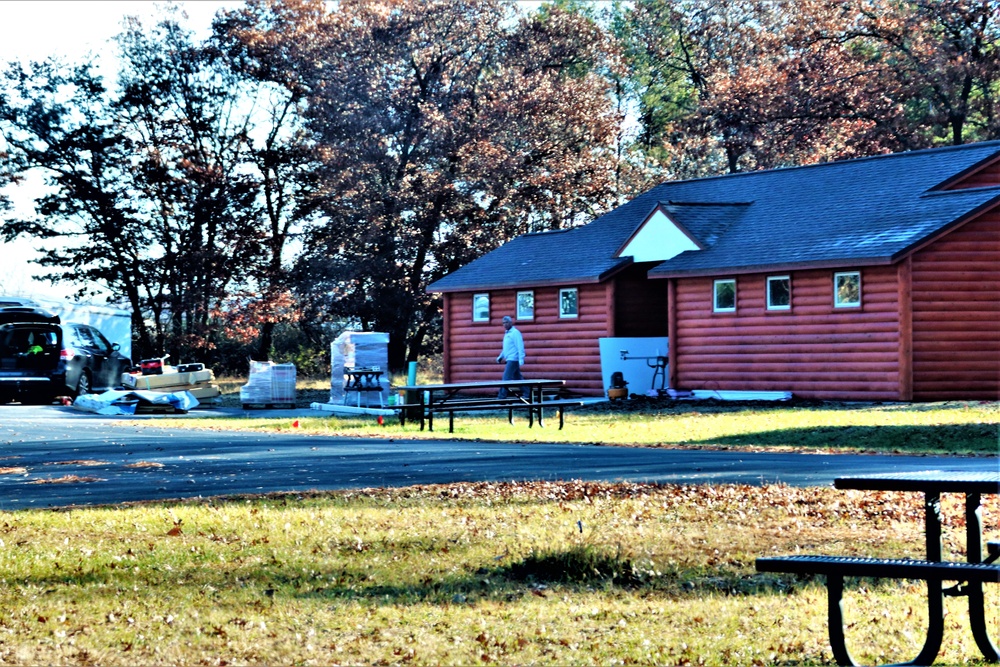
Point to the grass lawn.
(935, 428)
(541, 573)
(567, 573)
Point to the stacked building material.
(193, 378)
(270, 385)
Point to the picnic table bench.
(970, 574)
(449, 398)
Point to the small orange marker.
(380, 420)
(295, 424)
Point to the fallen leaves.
(67, 479)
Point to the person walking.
(512, 354)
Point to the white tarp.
(116, 402)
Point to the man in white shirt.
(512, 354)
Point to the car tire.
(83, 384)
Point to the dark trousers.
(512, 371)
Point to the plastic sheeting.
(358, 349)
(116, 402)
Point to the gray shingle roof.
(864, 211)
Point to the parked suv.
(41, 357)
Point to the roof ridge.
(959, 191)
(551, 231)
(865, 158)
(672, 202)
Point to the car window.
(100, 342)
(46, 338)
(82, 338)
(24, 340)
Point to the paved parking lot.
(57, 456)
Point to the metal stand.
(659, 366)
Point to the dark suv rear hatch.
(30, 346)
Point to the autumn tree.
(445, 128)
(944, 57)
(56, 120)
(170, 189)
(750, 84)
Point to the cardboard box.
(172, 380)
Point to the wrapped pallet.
(359, 349)
(269, 385)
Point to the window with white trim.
(480, 307)
(569, 305)
(525, 305)
(779, 292)
(724, 300)
(847, 289)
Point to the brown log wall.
(813, 350)
(956, 314)
(562, 349)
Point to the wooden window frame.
(569, 316)
(767, 293)
(836, 290)
(475, 298)
(517, 306)
(715, 295)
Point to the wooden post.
(446, 323)
(672, 333)
(904, 280)
(609, 297)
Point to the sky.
(33, 30)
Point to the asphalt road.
(56, 456)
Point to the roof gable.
(658, 238)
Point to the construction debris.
(193, 378)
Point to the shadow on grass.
(942, 438)
(576, 569)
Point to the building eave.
(772, 268)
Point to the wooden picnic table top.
(458, 386)
(928, 481)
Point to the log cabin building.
(874, 279)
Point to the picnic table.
(363, 380)
(428, 399)
(970, 574)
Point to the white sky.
(36, 30)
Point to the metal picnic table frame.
(431, 398)
(363, 380)
(932, 483)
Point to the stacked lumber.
(193, 378)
